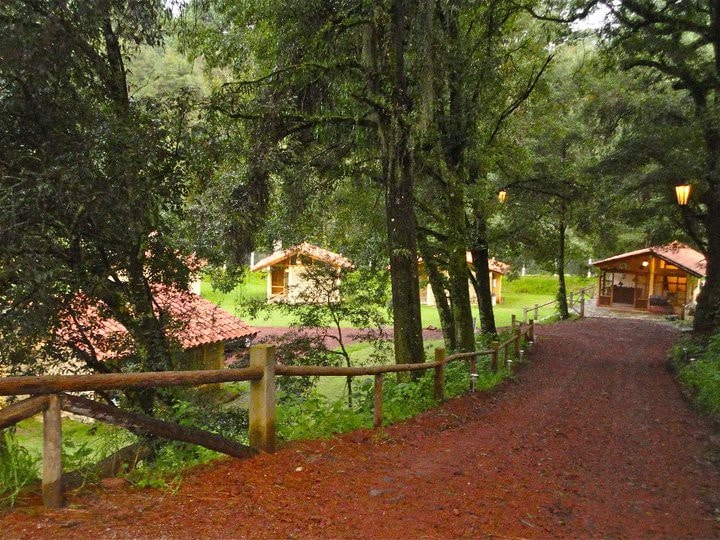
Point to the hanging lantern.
(502, 195)
(682, 192)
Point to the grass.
(82, 441)
(517, 294)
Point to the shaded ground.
(593, 439)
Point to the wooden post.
(378, 414)
(440, 375)
(537, 307)
(572, 300)
(505, 353)
(525, 312)
(531, 330)
(494, 363)
(582, 307)
(261, 432)
(516, 341)
(52, 454)
(512, 320)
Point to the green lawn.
(517, 294)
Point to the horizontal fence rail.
(576, 301)
(49, 397)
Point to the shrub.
(703, 374)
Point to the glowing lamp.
(682, 192)
(502, 195)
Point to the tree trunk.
(480, 256)
(394, 133)
(437, 283)
(458, 273)
(707, 312)
(560, 265)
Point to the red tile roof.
(309, 250)
(199, 322)
(676, 253)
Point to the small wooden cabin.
(497, 271)
(657, 279)
(287, 279)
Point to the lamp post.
(682, 193)
(502, 195)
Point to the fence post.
(261, 432)
(52, 454)
(440, 375)
(572, 300)
(582, 307)
(506, 352)
(536, 312)
(525, 312)
(531, 331)
(494, 362)
(378, 412)
(517, 344)
(512, 320)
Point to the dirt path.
(593, 439)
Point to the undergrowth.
(700, 370)
(18, 468)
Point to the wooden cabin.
(287, 270)
(660, 279)
(497, 271)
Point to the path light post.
(682, 193)
(502, 195)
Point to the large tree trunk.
(394, 133)
(480, 256)
(458, 271)
(560, 265)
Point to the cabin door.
(277, 281)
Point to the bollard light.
(502, 195)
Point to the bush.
(703, 374)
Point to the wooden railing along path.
(576, 302)
(48, 394)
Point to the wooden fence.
(48, 394)
(576, 302)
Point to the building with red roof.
(661, 279)
(287, 271)
(201, 328)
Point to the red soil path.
(593, 439)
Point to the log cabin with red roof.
(662, 279)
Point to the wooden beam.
(141, 424)
(12, 414)
(52, 454)
(53, 384)
(261, 432)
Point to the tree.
(678, 45)
(90, 178)
(332, 89)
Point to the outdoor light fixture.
(682, 192)
(502, 195)
(645, 263)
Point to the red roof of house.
(309, 250)
(676, 253)
(199, 322)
